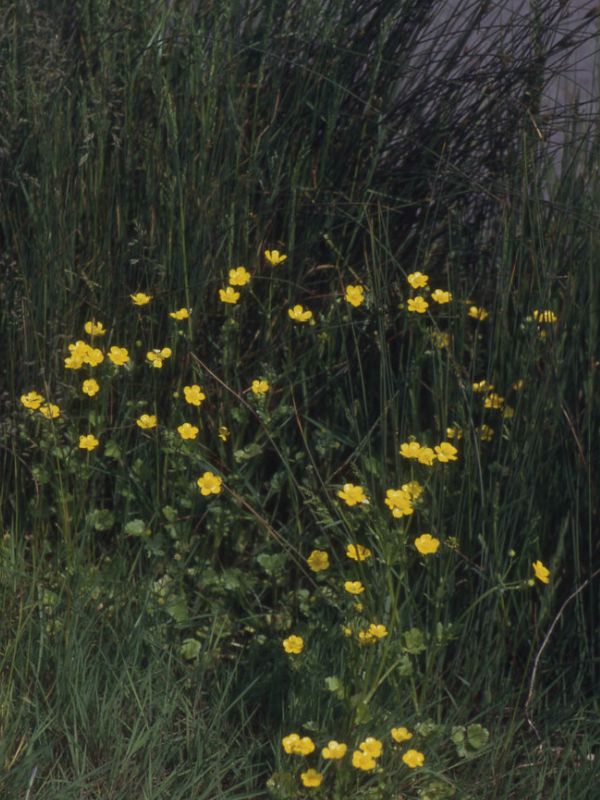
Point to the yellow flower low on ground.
(90, 387)
(146, 421)
(477, 313)
(352, 495)
(440, 296)
(118, 355)
(362, 760)
(401, 734)
(542, 573)
(293, 645)
(229, 295)
(194, 395)
(239, 276)
(140, 298)
(93, 328)
(377, 631)
(427, 544)
(334, 750)
(417, 304)
(311, 778)
(354, 587)
(88, 442)
(299, 314)
(318, 560)
(355, 295)
(274, 257)
(372, 747)
(445, 452)
(50, 411)
(413, 758)
(293, 744)
(187, 431)
(259, 387)
(357, 552)
(417, 280)
(209, 483)
(181, 313)
(32, 400)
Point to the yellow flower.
(482, 386)
(372, 747)
(293, 744)
(440, 296)
(440, 338)
(413, 758)
(417, 280)
(260, 387)
(542, 573)
(399, 502)
(156, 357)
(364, 637)
(477, 313)
(146, 421)
(544, 316)
(410, 449)
(377, 632)
(362, 760)
(94, 328)
(229, 295)
(426, 456)
(223, 433)
(181, 313)
(90, 387)
(334, 750)
(299, 314)
(239, 276)
(413, 489)
(32, 400)
(49, 410)
(352, 495)
(187, 431)
(293, 644)
(508, 412)
(194, 395)
(485, 432)
(357, 552)
(209, 483)
(418, 304)
(518, 385)
(355, 295)
(445, 452)
(354, 587)
(427, 544)
(274, 257)
(318, 560)
(118, 355)
(140, 299)
(493, 400)
(401, 735)
(311, 777)
(88, 442)
(454, 433)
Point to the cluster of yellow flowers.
(418, 304)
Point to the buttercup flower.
(140, 299)
(181, 313)
(399, 502)
(293, 645)
(362, 760)
(482, 386)
(427, 544)
(373, 747)
(440, 338)
(209, 483)
(454, 433)
(334, 750)
(410, 449)
(485, 432)
(299, 314)
(146, 421)
(32, 400)
(223, 433)
(544, 316)
(401, 735)
(88, 442)
(413, 489)
(94, 357)
(311, 778)
(260, 387)
(357, 552)
(377, 632)
(187, 431)
(477, 313)
(229, 295)
(156, 357)
(440, 296)
(418, 304)
(274, 257)
(354, 587)
(239, 276)
(417, 280)
(542, 573)
(294, 744)
(193, 395)
(118, 355)
(445, 452)
(90, 387)
(318, 560)
(413, 758)
(493, 400)
(94, 328)
(426, 456)
(355, 295)
(49, 410)
(352, 495)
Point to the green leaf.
(477, 736)
(426, 728)
(413, 641)
(101, 519)
(190, 649)
(112, 450)
(169, 513)
(335, 686)
(176, 608)
(137, 527)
